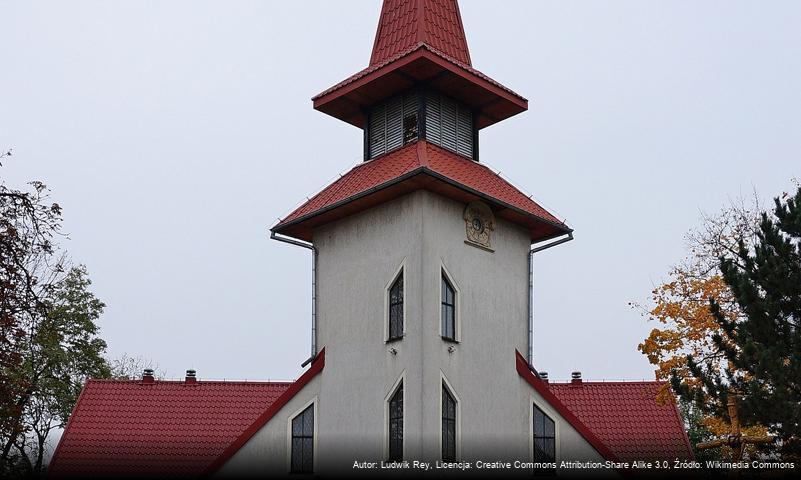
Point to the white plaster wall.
(357, 258)
(492, 297)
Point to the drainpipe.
(310, 246)
(531, 290)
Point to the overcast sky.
(174, 134)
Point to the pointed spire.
(405, 24)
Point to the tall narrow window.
(448, 309)
(544, 439)
(396, 425)
(448, 425)
(303, 441)
(396, 308)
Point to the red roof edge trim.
(524, 371)
(378, 31)
(560, 225)
(67, 428)
(683, 430)
(278, 227)
(464, 33)
(316, 367)
(414, 52)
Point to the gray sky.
(174, 134)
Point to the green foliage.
(697, 431)
(49, 341)
(763, 349)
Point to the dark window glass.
(303, 441)
(448, 310)
(544, 440)
(448, 425)
(409, 128)
(396, 308)
(396, 425)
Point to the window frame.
(388, 338)
(445, 385)
(536, 406)
(393, 392)
(400, 381)
(313, 405)
(457, 324)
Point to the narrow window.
(396, 308)
(544, 440)
(396, 425)
(448, 425)
(448, 309)
(303, 441)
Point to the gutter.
(531, 253)
(310, 246)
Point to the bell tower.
(421, 257)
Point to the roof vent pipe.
(575, 378)
(544, 376)
(147, 376)
(191, 376)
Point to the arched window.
(448, 309)
(396, 308)
(448, 425)
(396, 425)
(544, 438)
(303, 441)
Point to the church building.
(421, 328)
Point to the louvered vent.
(393, 124)
(448, 124)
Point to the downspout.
(310, 246)
(531, 253)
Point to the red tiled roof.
(419, 158)
(420, 42)
(408, 51)
(406, 23)
(171, 427)
(165, 428)
(623, 421)
(627, 417)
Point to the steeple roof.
(405, 24)
(420, 43)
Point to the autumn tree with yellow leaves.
(680, 307)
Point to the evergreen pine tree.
(764, 345)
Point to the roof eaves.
(497, 201)
(347, 200)
(398, 56)
(564, 229)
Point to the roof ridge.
(197, 382)
(612, 382)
